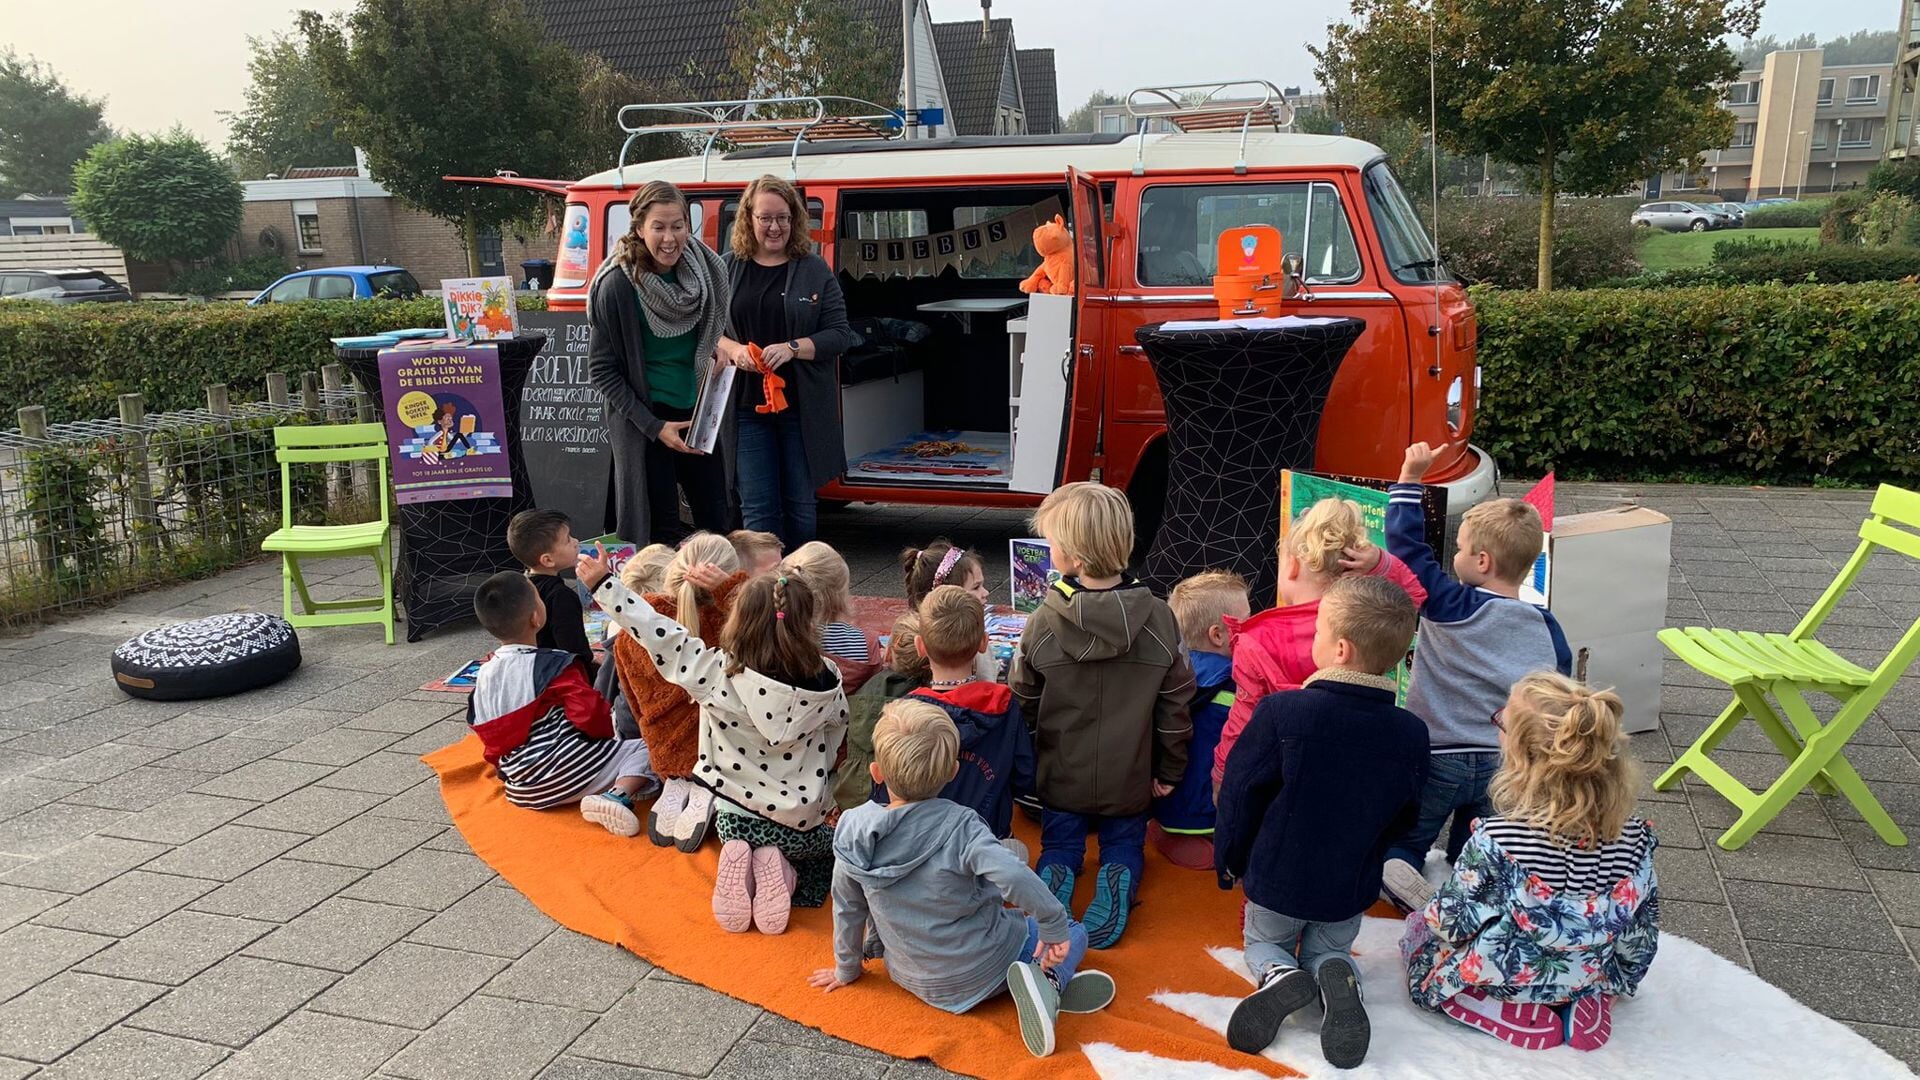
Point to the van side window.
(1410, 253)
(1180, 225)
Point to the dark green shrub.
(1746, 247)
(1837, 225)
(1799, 215)
(1798, 263)
(1497, 242)
(1902, 177)
(254, 273)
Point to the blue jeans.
(776, 487)
(1076, 949)
(1455, 782)
(1063, 841)
(1281, 941)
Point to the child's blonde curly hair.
(1566, 769)
(1317, 537)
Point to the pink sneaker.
(774, 878)
(733, 888)
(1590, 1022)
(1529, 1027)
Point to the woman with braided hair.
(772, 717)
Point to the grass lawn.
(1679, 251)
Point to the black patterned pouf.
(211, 657)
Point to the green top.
(669, 362)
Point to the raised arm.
(680, 657)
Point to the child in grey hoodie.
(935, 883)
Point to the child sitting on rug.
(697, 592)
(996, 753)
(542, 725)
(854, 651)
(543, 542)
(1273, 651)
(1322, 780)
(772, 715)
(1477, 639)
(906, 671)
(943, 563)
(935, 885)
(1553, 909)
(1104, 686)
(758, 552)
(1207, 606)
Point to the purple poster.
(445, 422)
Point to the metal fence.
(92, 509)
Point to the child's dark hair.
(532, 533)
(922, 569)
(504, 603)
(772, 629)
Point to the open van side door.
(1056, 336)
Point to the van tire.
(1147, 493)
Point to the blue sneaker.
(1059, 881)
(1106, 917)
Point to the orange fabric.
(669, 720)
(657, 903)
(775, 385)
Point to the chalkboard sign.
(563, 424)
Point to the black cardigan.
(817, 309)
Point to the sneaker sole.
(1346, 1031)
(1256, 1020)
(1106, 916)
(772, 900)
(691, 842)
(1405, 886)
(610, 815)
(1062, 889)
(658, 831)
(1036, 1027)
(1589, 1024)
(1088, 991)
(733, 888)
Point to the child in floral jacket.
(1553, 909)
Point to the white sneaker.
(690, 829)
(1405, 885)
(666, 811)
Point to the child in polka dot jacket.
(772, 717)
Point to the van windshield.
(1410, 253)
(1180, 226)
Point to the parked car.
(1755, 204)
(1679, 217)
(340, 283)
(1735, 214)
(76, 286)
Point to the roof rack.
(821, 118)
(1220, 107)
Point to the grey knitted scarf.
(697, 299)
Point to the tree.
(285, 121)
(1586, 95)
(1755, 49)
(799, 48)
(1082, 119)
(161, 198)
(45, 128)
(433, 88)
(603, 91)
(1862, 47)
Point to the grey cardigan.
(817, 309)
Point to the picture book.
(480, 309)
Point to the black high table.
(448, 548)
(1243, 401)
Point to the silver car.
(1679, 217)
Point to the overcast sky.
(158, 64)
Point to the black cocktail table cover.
(448, 548)
(1243, 402)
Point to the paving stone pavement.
(268, 886)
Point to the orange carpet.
(656, 903)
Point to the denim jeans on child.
(1076, 949)
(1275, 940)
(1063, 840)
(1455, 782)
(776, 487)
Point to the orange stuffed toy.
(1055, 245)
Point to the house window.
(1826, 91)
(1110, 123)
(1855, 133)
(1819, 136)
(1742, 136)
(306, 226)
(1863, 89)
(42, 226)
(1744, 93)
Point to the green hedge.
(1797, 215)
(1762, 262)
(1753, 383)
(76, 360)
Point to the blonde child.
(832, 583)
(758, 552)
(669, 720)
(1553, 909)
(1207, 606)
(772, 716)
(646, 572)
(1273, 651)
(1104, 685)
(907, 670)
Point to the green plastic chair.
(1786, 667)
(320, 445)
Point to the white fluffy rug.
(1696, 1016)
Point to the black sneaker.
(1256, 1020)
(1345, 1032)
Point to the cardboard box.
(1609, 588)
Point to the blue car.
(340, 283)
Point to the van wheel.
(1148, 495)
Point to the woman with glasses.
(787, 301)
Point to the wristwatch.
(795, 346)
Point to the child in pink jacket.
(1273, 650)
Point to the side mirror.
(1292, 277)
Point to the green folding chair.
(1786, 667)
(323, 445)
